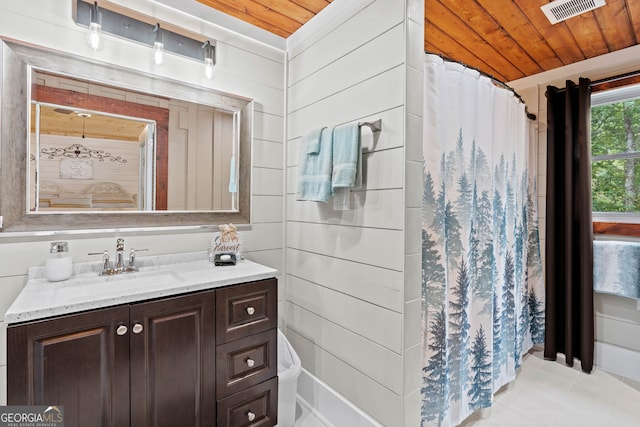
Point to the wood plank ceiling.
(281, 17)
(508, 39)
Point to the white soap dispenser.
(58, 265)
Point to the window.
(615, 155)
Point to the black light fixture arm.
(209, 51)
(157, 34)
(94, 14)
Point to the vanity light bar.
(142, 32)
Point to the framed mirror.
(86, 145)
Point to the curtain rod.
(495, 81)
(619, 77)
(593, 85)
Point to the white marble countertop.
(159, 276)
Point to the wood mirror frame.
(17, 61)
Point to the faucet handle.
(132, 258)
(106, 264)
(105, 254)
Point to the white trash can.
(289, 368)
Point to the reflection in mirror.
(184, 179)
(93, 146)
(79, 163)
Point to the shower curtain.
(482, 281)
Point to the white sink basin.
(76, 289)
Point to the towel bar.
(374, 126)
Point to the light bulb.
(208, 68)
(94, 33)
(209, 59)
(158, 46)
(94, 37)
(158, 53)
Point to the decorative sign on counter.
(228, 239)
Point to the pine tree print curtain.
(482, 281)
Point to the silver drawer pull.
(251, 310)
(121, 330)
(137, 328)
(251, 363)
(251, 416)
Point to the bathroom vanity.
(175, 344)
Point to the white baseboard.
(618, 360)
(313, 411)
(333, 408)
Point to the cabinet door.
(173, 362)
(78, 361)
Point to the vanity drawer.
(244, 310)
(246, 362)
(256, 406)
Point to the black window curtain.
(569, 233)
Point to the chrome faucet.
(119, 255)
(108, 269)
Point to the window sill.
(616, 228)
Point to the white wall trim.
(329, 404)
(618, 360)
(313, 411)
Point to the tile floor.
(547, 394)
(550, 394)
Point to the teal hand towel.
(346, 156)
(312, 142)
(314, 172)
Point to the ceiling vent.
(561, 10)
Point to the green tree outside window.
(615, 145)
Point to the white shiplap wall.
(49, 24)
(353, 277)
(617, 319)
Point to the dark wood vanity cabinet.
(157, 363)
